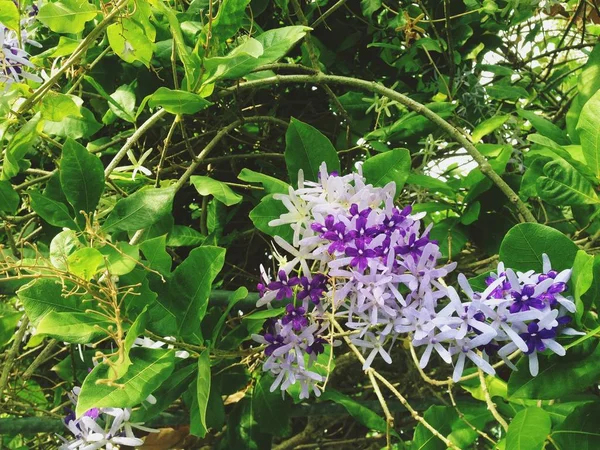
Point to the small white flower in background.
(136, 165)
(106, 428)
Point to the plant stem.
(371, 86)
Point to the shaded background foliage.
(514, 75)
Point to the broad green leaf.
(487, 126)
(123, 362)
(140, 210)
(129, 41)
(266, 48)
(523, 245)
(432, 184)
(441, 418)
(121, 258)
(203, 388)
(471, 213)
(587, 85)
(181, 236)
(44, 295)
(528, 430)
(545, 127)
(579, 430)
(306, 148)
(383, 168)
(451, 235)
(190, 286)
(239, 294)
(229, 19)
(272, 185)
(168, 393)
(61, 246)
(67, 16)
(149, 369)
(370, 6)
(74, 127)
(507, 92)
(9, 15)
(177, 102)
(563, 185)
(360, 413)
(581, 279)
(73, 327)
(123, 104)
(219, 190)
(53, 212)
(9, 319)
(557, 376)
(270, 409)
(156, 254)
(9, 198)
(270, 209)
(85, 262)
(81, 177)
(22, 141)
(56, 106)
(534, 171)
(589, 134)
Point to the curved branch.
(371, 86)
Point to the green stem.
(371, 86)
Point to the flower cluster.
(107, 428)
(357, 257)
(14, 60)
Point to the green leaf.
(534, 171)
(563, 185)
(149, 369)
(487, 126)
(369, 7)
(545, 127)
(528, 430)
(123, 103)
(53, 212)
(270, 209)
(580, 429)
(306, 148)
(56, 106)
(266, 48)
(471, 213)
(219, 190)
(441, 418)
(61, 246)
(177, 102)
(507, 92)
(523, 245)
(557, 376)
(239, 294)
(67, 16)
(190, 286)
(44, 295)
(9, 198)
(74, 127)
(587, 85)
(432, 184)
(9, 15)
(156, 254)
(229, 19)
(181, 236)
(81, 177)
(203, 388)
(582, 278)
(121, 258)
(360, 413)
(123, 362)
(129, 41)
(85, 262)
(272, 185)
(140, 210)
(9, 319)
(270, 409)
(22, 141)
(385, 167)
(589, 133)
(72, 327)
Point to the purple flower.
(295, 316)
(414, 247)
(275, 341)
(360, 255)
(525, 300)
(338, 237)
(534, 337)
(313, 288)
(317, 347)
(361, 230)
(396, 220)
(323, 228)
(283, 286)
(355, 213)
